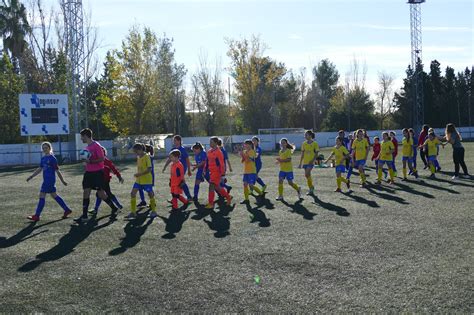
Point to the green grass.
(401, 248)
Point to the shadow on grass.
(426, 184)
(413, 191)
(359, 199)
(331, 207)
(174, 222)
(390, 196)
(219, 222)
(24, 234)
(457, 182)
(298, 208)
(262, 201)
(257, 215)
(133, 230)
(67, 243)
(16, 170)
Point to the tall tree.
(384, 96)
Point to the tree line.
(142, 89)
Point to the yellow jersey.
(360, 147)
(339, 154)
(407, 147)
(143, 164)
(309, 151)
(249, 162)
(386, 149)
(432, 149)
(285, 166)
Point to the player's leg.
(39, 207)
(62, 204)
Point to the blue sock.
(196, 191)
(394, 167)
(115, 200)
(40, 206)
(142, 195)
(349, 172)
(61, 202)
(260, 182)
(436, 163)
(186, 191)
(98, 201)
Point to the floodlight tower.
(416, 58)
(74, 38)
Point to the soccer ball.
(84, 154)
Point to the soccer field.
(395, 248)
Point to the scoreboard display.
(44, 114)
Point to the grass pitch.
(401, 248)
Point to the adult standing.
(421, 140)
(452, 136)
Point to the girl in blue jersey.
(49, 167)
(202, 174)
(258, 161)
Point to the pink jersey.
(96, 153)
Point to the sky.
(298, 33)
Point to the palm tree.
(13, 28)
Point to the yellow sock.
(295, 187)
(362, 177)
(246, 192)
(432, 169)
(257, 190)
(404, 172)
(379, 177)
(133, 204)
(280, 189)
(310, 182)
(392, 174)
(153, 204)
(344, 180)
(338, 181)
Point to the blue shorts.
(48, 188)
(340, 169)
(148, 188)
(407, 158)
(286, 175)
(250, 179)
(310, 166)
(432, 158)
(359, 163)
(201, 176)
(382, 162)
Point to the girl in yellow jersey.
(286, 168)
(431, 146)
(360, 146)
(250, 170)
(386, 150)
(341, 154)
(407, 154)
(309, 153)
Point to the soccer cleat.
(33, 218)
(142, 204)
(438, 169)
(404, 179)
(81, 219)
(130, 216)
(337, 190)
(378, 182)
(279, 198)
(66, 214)
(299, 193)
(455, 177)
(348, 184)
(153, 215)
(120, 207)
(245, 202)
(93, 211)
(209, 206)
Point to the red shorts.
(215, 178)
(177, 190)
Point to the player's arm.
(301, 158)
(329, 157)
(36, 172)
(230, 166)
(140, 174)
(188, 163)
(60, 176)
(168, 161)
(116, 172)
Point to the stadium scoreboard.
(44, 114)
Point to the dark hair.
(178, 137)
(149, 149)
(215, 140)
(425, 128)
(408, 132)
(376, 138)
(342, 130)
(86, 132)
(219, 142)
(450, 129)
(386, 133)
(249, 142)
(139, 146)
(288, 144)
(176, 153)
(311, 133)
(339, 138)
(256, 138)
(432, 134)
(198, 145)
(411, 130)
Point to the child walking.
(176, 179)
(341, 154)
(286, 168)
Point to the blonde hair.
(48, 144)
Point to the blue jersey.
(199, 158)
(258, 160)
(226, 157)
(49, 164)
(184, 155)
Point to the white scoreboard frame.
(27, 102)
